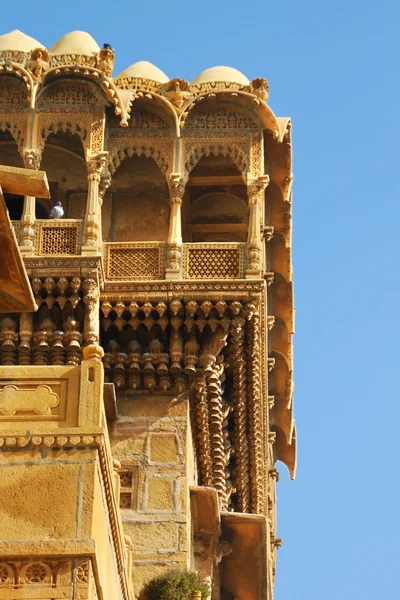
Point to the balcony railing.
(134, 260)
(140, 261)
(58, 238)
(147, 260)
(213, 261)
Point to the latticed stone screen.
(136, 260)
(58, 238)
(214, 261)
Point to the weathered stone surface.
(167, 240)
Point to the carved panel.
(146, 120)
(214, 261)
(12, 91)
(256, 155)
(38, 574)
(23, 400)
(135, 260)
(220, 118)
(58, 237)
(71, 93)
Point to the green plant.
(175, 585)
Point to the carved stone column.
(91, 324)
(93, 238)
(28, 218)
(254, 242)
(176, 188)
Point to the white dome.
(18, 41)
(76, 42)
(145, 69)
(227, 74)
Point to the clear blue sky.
(334, 68)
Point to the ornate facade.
(144, 405)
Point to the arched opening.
(275, 209)
(10, 157)
(64, 162)
(136, 208)
(215, 207)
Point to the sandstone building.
(144, 405)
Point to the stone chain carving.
(256, 435)
(240, 438)
(203, 431)
(216, 417)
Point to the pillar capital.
(31, 158)
(95, 165)
(176, 186)
(255, 187)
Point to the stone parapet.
(61, 527)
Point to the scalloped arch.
(16, 132)
(237, 155)
(56, 125)
(118, 155)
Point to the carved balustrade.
(137, 261)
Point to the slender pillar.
(91, 324)
(176, 188)
(27, 231)
(254, 241)
(92, 236)
(28, 219)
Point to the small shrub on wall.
(175, 585)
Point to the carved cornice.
(70, 266)
(239, 289)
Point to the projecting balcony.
(139, 261)
(148, 261)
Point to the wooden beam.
(24, 182)
(216, 180)
(219, 227)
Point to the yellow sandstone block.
(152, 536)
(160, 493)
(38, 501)
(163, 448)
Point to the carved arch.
(23, 74)
(56, 125)
(229, 148)
(154, 151)
(161, 103)
(97, 77)
(254, 104)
